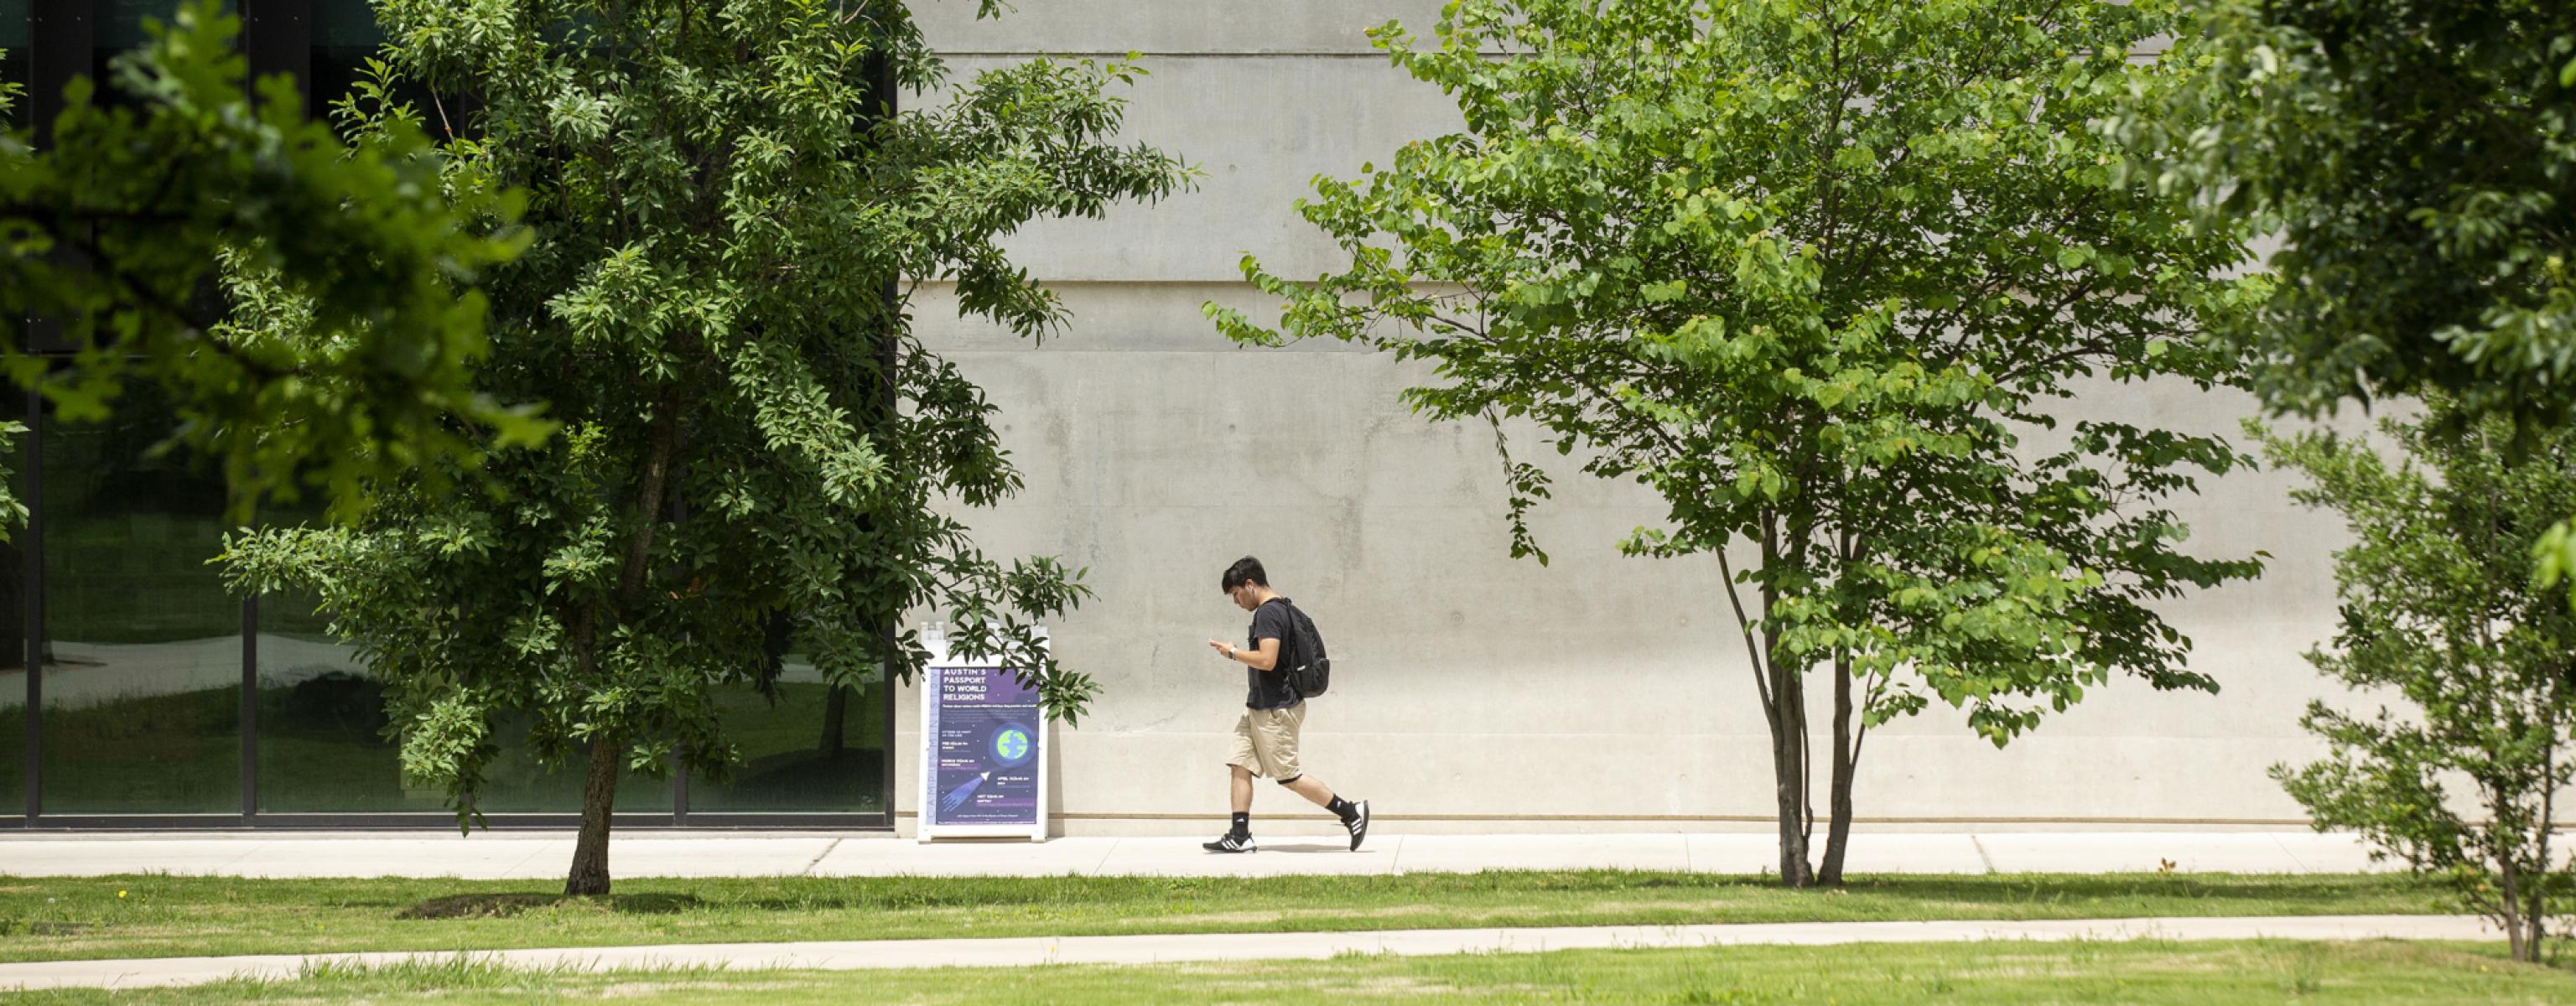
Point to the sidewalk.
(1023, 952)
(540, 855)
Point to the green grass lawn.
(2373, 972)
(158, 916)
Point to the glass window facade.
(807, 747)
(13, 644)
(16, 35)
(325, 743)
(144, 664)
(144, 660)
(142, 645)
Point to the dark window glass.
(517, 782)
(345, 36)
(324, 745)
(16, 34)
(812, 750)
(143, 648)
(323, 741)
(116, 26)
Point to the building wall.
(1473, 692)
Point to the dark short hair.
(1245, 570)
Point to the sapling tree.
(2459, 768)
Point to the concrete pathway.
(544, 855)
(1021, 952)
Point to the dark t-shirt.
(1270, 689)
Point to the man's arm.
(1263, 659)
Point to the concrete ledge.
(544, 855)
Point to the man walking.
(1265, 739)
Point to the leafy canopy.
(728, 223)
(2416, 160)
(110, 229)
(1827, 278)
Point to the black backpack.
(1308, 668)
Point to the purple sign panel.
(984, 741)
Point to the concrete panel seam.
(535, 850)
(2290, 852)
(1981, 853)
(255, 848)
(818, 857)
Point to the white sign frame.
(926, 827)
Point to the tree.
(728, 217)
(112, 227)
(2439, 610)
(1818, 274)
(2416, 159)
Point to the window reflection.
(808, 749)
(143, 655)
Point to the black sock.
(1242, 826)
(1342, 808)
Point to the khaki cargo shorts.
(1265, 742)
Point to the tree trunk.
(599, 783)
(836, 713)
(2515, 946)
(1789, 771)
(2539, 910)
(598, 798)
(1846, 758)
(1785, 708)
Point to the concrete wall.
(1473, 692)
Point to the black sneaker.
(1231, 842)
(1357, 823)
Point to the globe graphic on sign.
(1012, 744)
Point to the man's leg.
(1238, 833)
(1281, 738)
(1354, 815)
(1306, 786)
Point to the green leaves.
(348, 354)
(2415, 230)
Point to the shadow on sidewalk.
(1308, 848)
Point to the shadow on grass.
(500, 906)
(2008, 889)
(2289, 894)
